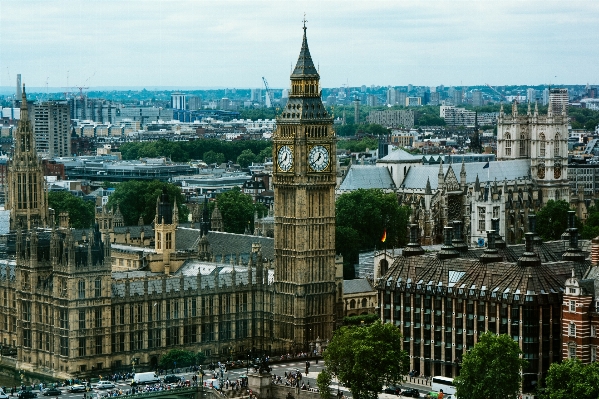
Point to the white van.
(145, 378)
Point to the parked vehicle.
(104, 385)
(26, 395)
(76, 388)
(171, 379)
(411, 393)
(393, 389)
(51, 392)
(3, 395)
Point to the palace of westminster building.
(76, 302)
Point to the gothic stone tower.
(304, 184)
(26, 198)
(165, 222)
(544, 140)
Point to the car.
(26, 394)
(171, 379)
(104, 385)
(393, 389)
(3, 395)
(77, 388)
(411, 393)
(51, 392)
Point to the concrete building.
(178, 101)
(558, 98)
(477, 98)
(392, 118)
(52, 127)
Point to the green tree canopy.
(358, 145)
(184, 151)
(81, 212)
(572, 379)
(211, 157)
(246, 158)
(367, 358)
(491, 369)
(552, 220)
(237, 210)
(590, 229)
(323, 382)
(137, 198)
(362, 216)
(177, 358)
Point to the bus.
(444, 383)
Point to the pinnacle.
(305, 65)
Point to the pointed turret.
(305, 66)
(441, 176)
(428, 189)
(536, 114)
(463, 175)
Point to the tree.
(137, 198)
(81, 212)
(552, 220)
(491, 369)
(347, 243)
(590, 229)
(237, 210)
(264, 154)
(211, 157)
(246, 158)
(366, 358)
(572, 379)
(200, 358)
(323, 382)
(177, 358)
(369, 213)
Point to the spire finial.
(304, 21)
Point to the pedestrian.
(440, 395)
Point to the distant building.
(392, 118)
(52, 124)
(413, 101)
(477, 98)
(558, 98)
(178, 101)
(194, 103)
(457, 97)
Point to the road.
(278, 369)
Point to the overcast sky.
(234, 43)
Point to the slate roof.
(497, 281)
(367, 177)
(399, 155)
(418, 175)
(357, 286)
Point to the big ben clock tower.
(304, 184)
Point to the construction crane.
(494, 90)
(269, 93)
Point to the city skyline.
(233, 44)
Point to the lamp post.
(133, 365)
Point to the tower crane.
(494, 90)
(269, 93)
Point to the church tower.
(304, 183)
(26, 199)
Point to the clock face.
(318, 158)
(285, 158)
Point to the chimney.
(499, 242)
(573, 253)
(595, 251)
(413, 248)
(490, 254)
(458, 237)
(529, 258)
(447, 250)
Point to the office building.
(178, 100)
(477, 98)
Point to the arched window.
(352, 304)
(556, 144)
(81, 289)
(364, 302)
(542, 145)
(508, 144)
(523, 146)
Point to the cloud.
(235, 43)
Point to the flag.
(384, 237)
(486, 165)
